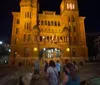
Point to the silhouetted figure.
(20, 81)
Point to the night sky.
(88, 8)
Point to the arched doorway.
(49, 53)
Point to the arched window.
(29, 37)
(27, 14)
(55, 23)
(17, 21)
(51, 23)
(48, 23)
(24, 37)
(45, 22)
(58, 23)
(73, 52)
(40, 38)
(67, 6)
(41, 22)
(73, 6)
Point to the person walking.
(45, 66)
(70, 77)
(58, 66)
(36, 70)
(52, 73)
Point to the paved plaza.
(9, 75)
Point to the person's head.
(66, 61)
(52, 63)
(57, 61)
(71, 70)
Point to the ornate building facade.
(47, 35)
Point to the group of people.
(53, 73)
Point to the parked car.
(91, 81)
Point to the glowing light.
(43, 37)
(67, 6)
(71, 6)
(55, 49)
(44, 49)
(9, 50)
(35, 49)
(68, 49)
(1, 42)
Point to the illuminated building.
(47, 34)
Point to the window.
(17, 21)
(73, 6)
(24, 37)
(29, 37)
(48, 38)
(41, 22)
(67, 6)
(51, 23)
(30, 14)
(45, 22)
(48, 23)
(73, 52)
(17, 30)
(27, 14)
(58, 23)
(40, 38)
(55, 23)
(60, 38)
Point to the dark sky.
(88, 8)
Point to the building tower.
(22, 30)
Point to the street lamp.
(1, 42)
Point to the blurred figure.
(52, 73)
(70, 77)
(76, 68)
(58, 65)
(36, 70)
(45, 66)
(64, 65)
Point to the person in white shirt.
(52, 73)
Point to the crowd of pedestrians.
(52, 71)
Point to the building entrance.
(51, 53)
